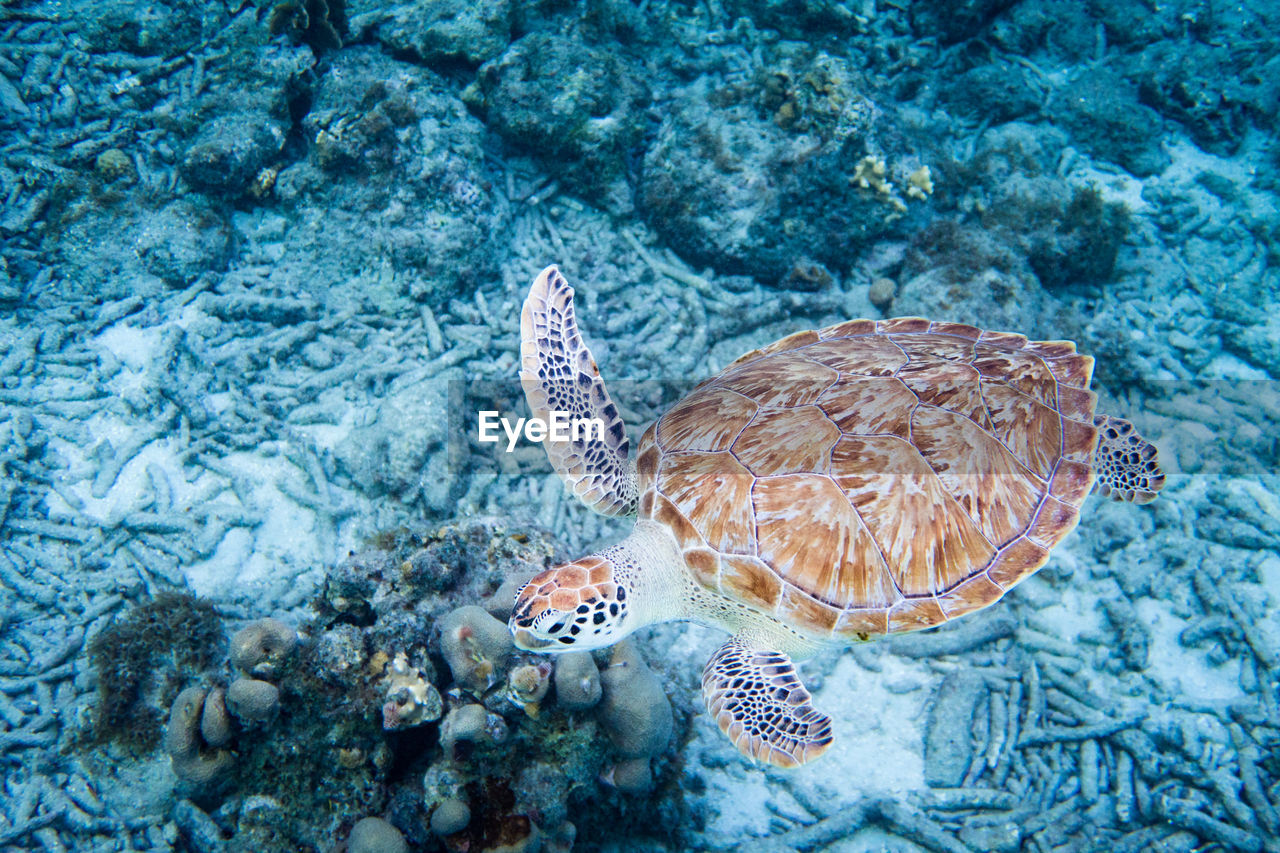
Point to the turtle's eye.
(557, 625)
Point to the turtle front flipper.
(560, 377)
(758, 701)
(1128, 465)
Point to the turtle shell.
(875, 477)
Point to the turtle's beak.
(527, 641)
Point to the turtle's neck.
(660, 584)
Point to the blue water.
(262, 267)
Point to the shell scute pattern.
(936, 463)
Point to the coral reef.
(253, 702)
(450, 817)
(415, 709)
(322, 24)
(411, 699)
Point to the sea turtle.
(865, 479)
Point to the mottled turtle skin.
(875, 477)
(870, 478)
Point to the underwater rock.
(1102, 113)
(1066, 235)
(148, 29)
(577, 106)
(993, 297)
(955, 21)
(948, 746)
(260, 648)
(262, 823)
(394, 179)
(253, 702)
(634, 709)
(437, 31)
(229, 151)
(577, 681)
(399, 450)
(183, 239)
(375, 835)
(1184, 81)
(1078, 241)
(754, 179)
(476, 646)
(995, 93)
(798, 19)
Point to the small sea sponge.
(215, 722)
(375, 835)
(470, 724)
(475, 646)
(411, 699)
(881, 293)
(253, 701)
(527, 686)
(577, 681)
(260, 648)
(450, 816)
(191, 763)
(634, 710)
(113, 164)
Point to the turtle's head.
(575, 606)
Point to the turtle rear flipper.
(559, 375)
(1128, 465)
(757, 700)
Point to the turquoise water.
(262, 268)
